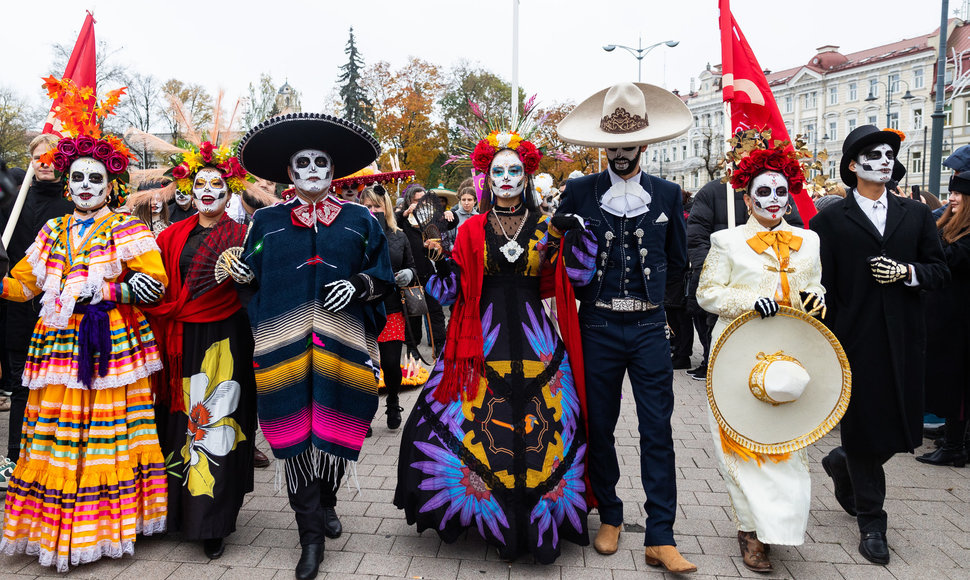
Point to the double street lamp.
(640, 52)
(908, 96)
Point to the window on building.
(893, 83)
(809, 132)
(872, 119)
(673, 153)
(833, 131)
(789, 104)
(894, 121)
(831, 169)
(684, 152)
(873, 88)
(853, 91)
(948, 76)
(916, 162)
(918, 78)
(811, 100)
(850, 125)
(834, 95)
(694, 180)
(948, 115)
(697, 148)
(917, 119)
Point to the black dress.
(209, 449)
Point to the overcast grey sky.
(225, 45)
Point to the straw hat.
(626, 115)
(778, 384)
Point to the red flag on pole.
(81, 67)
(746, 89)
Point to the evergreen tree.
(357, 107)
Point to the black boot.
(953, 450)
(393, 413)
(213, 547)
(309, 564)
(835, 467)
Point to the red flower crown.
(762, 160)
(488, 147)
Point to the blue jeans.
(615, 343)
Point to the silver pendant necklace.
(511, 250)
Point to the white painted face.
(623, 160)
(88, 184)
(156, 204)
(311, 171)
(769, 195)
(875, 165)
(507, 175)
(182, 199)
(210, 191)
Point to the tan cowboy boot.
(670, 558)
(607, 539)
(753, 552)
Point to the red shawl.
(177, 307)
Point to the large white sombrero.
(778, 384)
(626, 115)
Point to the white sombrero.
(778, 384)
(626, 115)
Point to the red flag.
(81, 67)
(745, 87)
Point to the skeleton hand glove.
(886, 270)
(813, 304)
(340, 293)
(145, 288)
(766, 307)
(403, 277)
(230, 264)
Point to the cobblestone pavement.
(929, 518)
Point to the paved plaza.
(929, 518)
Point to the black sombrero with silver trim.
(266, 149)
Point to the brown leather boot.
(670, 558)
(607, 539)
(753, 552)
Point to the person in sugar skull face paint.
(181, 206)
(878, 252)
(758, 266)
(318, 268)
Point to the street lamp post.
(908, 96)
(640, 52)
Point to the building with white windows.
(892, 85)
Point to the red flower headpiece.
(488, 147)
(762, 160)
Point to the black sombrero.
(860, 138)
(266, 149)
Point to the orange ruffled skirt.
(91, 475)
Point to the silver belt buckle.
(624, 305)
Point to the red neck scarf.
(177, 307)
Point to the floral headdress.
(495, 141)
(751, 155)
(81, 125)
(193, 159)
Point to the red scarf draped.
(178, 307)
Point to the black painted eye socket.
(97, 178)
(321, 161)
(302, 162)
(77, 177)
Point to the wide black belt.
(626, 305)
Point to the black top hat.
(266, 149)
(857, 140)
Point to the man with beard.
(638, 220)
(879, 251)
(319, 268)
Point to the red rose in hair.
(482, 156)
(530, 156)
(67, 147)
(102, 150)
(774, 162)
(206, 151)
(116, 163)
(61, 162)
(85, 145)
(180, 171)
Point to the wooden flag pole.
(732, 220)
(18, 205)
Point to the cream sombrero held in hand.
(626, 115)
(778, 384)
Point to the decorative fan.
(209, 268)
(429, 218)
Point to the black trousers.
(704, 325)
(869, 489)
(437, 318)
(18, 401)
(391, 365)
(682, 334)
(308, 501)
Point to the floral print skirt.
(510, 463)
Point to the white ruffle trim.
(107, 382)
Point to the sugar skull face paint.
(311, 171)
(156, 204)
(875, 164)
(88, 184)
(507, 176)
(623, 160)
(183, 200)
(210, 191)
(769, 195)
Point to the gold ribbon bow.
(782, 242)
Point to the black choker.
(506, 210)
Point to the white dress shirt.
(625, 197)
(876, 210)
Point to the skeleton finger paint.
(311, 170)
(623, 160)
(875, 163)
(210, 191)
(769, 195)
(88, 184)
(507, 176)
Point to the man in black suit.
(878, 251)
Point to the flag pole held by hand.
(18, 205)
